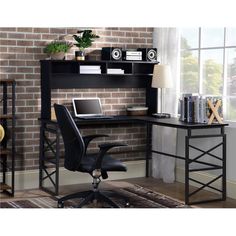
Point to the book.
(195, 108)
(90, 67)
(115, 71)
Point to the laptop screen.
(87, 106)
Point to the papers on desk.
(93, 69)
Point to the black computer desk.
(51, 127)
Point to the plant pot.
(58, 56)
(79, 55)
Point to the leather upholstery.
(75, 157)
(108, 164)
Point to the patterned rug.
(139, 198)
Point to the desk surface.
(167, 122)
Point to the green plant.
(84, 39)
(57, 46)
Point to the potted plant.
(57, 49)
(84, 39)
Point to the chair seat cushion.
(108, 164)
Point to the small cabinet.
(7, 145)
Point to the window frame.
(199, 50)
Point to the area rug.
(139, 197)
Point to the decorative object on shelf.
(137, 111)
(161, 79)
(111, 54)
(2, 133)
(57, 49)
(148, 54)
(84, 39)
(214, 111)
(200, 109)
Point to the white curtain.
(166, 40)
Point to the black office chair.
(76, 159)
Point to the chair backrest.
(73, 141)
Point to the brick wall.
(20, 52)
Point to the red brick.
(25, 70)
(126, 29)
(16, 36)
(132, 34)
(118, 33)
(3, 49)
(139, 40)
(24, 29)
(125, 40)
(16, 63)
(57, 31)
(41, 30)
(3, 35)
(24, 43)
(16, 49)
(8, 29)
(25, 56)
(7, 42)
(139, 29)
(33, 36)
(48, 37)
(25, 59)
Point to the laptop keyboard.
(95, 117)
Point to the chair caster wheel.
(127, 204)
(60, 205)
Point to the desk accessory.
(200, 109)
(2, 133)
(137, 111)
(161, 115)
(214, 110)
(148, 54)
(111, 54)
(84, 39)
(161, 79)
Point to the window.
(208, 65)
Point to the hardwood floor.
(175, 190)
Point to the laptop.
(88, 108)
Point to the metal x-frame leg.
(189, 161)
(49, 165)
(206, 166)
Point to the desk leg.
(57, 161)
(187, 167)
(41, 155)
(223, 165)
(148, 148)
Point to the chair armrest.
(103, 150)
(87, 139)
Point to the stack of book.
(115, 71)
(91, 69)
(195, 108)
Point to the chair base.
(90, 196)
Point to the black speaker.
(149, 54)
(111, 54)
